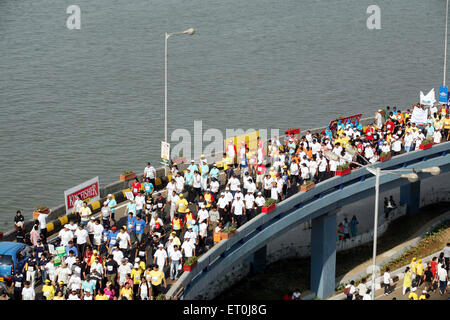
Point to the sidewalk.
(385, 257)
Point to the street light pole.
(375, 229)
(445, 45)
(165, 89)
(190, 32)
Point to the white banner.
(89, 191)
(165, 152)
(429, 99)
(419, 115)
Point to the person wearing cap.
(188, 246)
(413, 295)
(259, 201)
(65, 235)
(181, 206)
(136, 275)
(48, 290)
(209, 198)
(238, 210)
(111, 239)
(86, 295)
(176, 239)
(249, 200)
(419, 273)
(112, 203)
(160, 257)
(214, 173)
(188, 218)
(157, 278)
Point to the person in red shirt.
(390, 125)
(433, 266)
(369, 132)
(136, 187)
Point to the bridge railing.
(246, 232)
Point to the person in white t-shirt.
(28, 292)
(65, 235)
(238, 210)
(160, 257)
(122, 271)
(188, 248)
(124, 241)
(387, 282)
(73, 295)
(176, 259)
(82, 239)
(98, 231)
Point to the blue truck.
(13, 256)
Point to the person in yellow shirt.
(413, 294)
(175, 239)
(423, 296)
(407, 282)
(59, 296)
(419, 273)
(446, 126)
(157, 278)
(101, 295)
(126, 293)
(181, 206)
(48, 291)
(412, 266)
(136, 274)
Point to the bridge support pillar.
(259, 260)
(323, 255)
(410, 195)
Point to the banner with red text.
(353, 119)
(89, 191)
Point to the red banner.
(89, 190)
(353, 119)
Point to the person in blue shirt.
(130, 223)
(131, 208)
(329, 133)
(193, 167)
(70, 246)
(139, 227)
(89, 284)
(148, 187)
(429, 129)
(188, 181)
(358, 125)
(112, 236)
(111, 204)
(214, 173)
(340, 125)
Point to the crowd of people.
(419, 280)
(98, 258)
